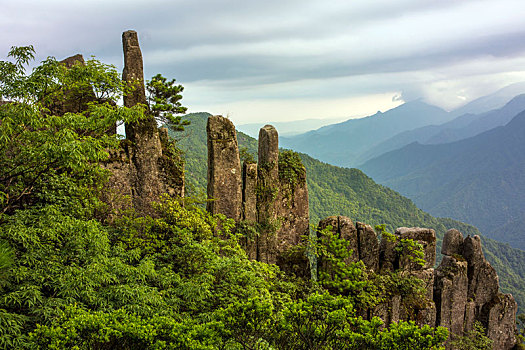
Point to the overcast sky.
(277, 60)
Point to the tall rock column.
(224, 168)
(144, 135)
(267, 191)
(249, 205)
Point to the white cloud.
(290, 56)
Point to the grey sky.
(289, 59)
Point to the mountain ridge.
(478, 179)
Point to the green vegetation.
(69, 279)
(164, 102)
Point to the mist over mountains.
(469, 167)
(342, 144)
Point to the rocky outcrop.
(145, 166)
(466, 291)
(261, 196)
(462, 290)
(224, 169)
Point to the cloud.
(291, 49)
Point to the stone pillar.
(249, 205)
(267, 192)
(143, 134)
(368, 246)
(224, 168)
(450, 294)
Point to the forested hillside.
(341, 191)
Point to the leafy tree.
(164, 102)
(41, 151)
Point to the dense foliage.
(180, 280)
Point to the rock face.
(466, 291)
(451, 294)
(224, 168)
(144, 168)
(260, 196)
(368, 246)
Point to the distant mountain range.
(462, 127)
(292, 128)
(355, 141)
(479, 180)
(343, 143)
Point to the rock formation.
(476, 295)
(224, 168)
(144, 167)
(461, 291)
(261, 196)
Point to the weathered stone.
(427, 276)
(268, 154)
(143, 135)
(483, 282)
(224, 168)
(470, 316)
(387, 254)
(472, 250)
(71, 61)
(450, 294)
(483, 279)
(427, 316)
(249, 205)
(395, 311)
(267, 194)
(389, 310)
(118, 192)
(291, 207)
(499, 318)
(452, 243)
(133, 69)
(427, 238)
(249, 191)
(368, 246)
(343, 228)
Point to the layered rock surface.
(143, 168)
(461, 291)
(258, 196)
